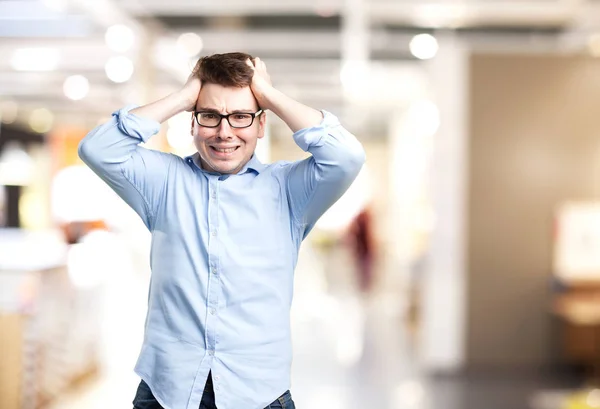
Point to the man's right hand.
(190, 91)
(180, 101)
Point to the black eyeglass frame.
(254, 115)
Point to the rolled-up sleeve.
(317, 182)
(136, 174)
(134, 126)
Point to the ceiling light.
(119, 69)
(424, 46)
(119, 38)
(41, 120)
(190, 43)
(76, 87)
(35, 59)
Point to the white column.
(355, 31)
(443, 297)
(355, 47)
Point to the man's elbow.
(356, 158)
(90, 153)
(350, 164)
(84, 150)
(360, 156)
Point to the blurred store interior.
(460, 271)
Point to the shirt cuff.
(135, 126)
(314, 137)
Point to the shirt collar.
(253, 164)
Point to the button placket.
(213, 278)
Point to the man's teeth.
(228, 150)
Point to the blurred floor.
(351, 352)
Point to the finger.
(249, 63)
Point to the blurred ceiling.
(305, 44)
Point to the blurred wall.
(534, 142)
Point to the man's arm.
(171, 105)
(136, 174)
(296, 115)
(316, 183)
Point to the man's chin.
(223, 166)
(227, 167)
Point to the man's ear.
(262, 124)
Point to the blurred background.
(462, 268)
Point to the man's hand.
(190, 91)
(179, 101)
(296, 115)
(261, 82)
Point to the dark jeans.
(145, 400)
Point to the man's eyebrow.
(242, 111)
(216, 111)
(204, 109)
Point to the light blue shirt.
(224, 249)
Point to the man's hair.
(228, 70)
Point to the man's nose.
(225, 130)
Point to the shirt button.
(217, 387)
(213, 311)
(211, 352)
(213, 270)
(213, 195)
(214, 233)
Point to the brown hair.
(228, 70)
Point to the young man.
(226, 230)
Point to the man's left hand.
(261, 82)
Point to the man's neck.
(204, 166)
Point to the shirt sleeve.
(138, 175)
(317, 182)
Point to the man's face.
(225, 149)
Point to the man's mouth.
(224, 150)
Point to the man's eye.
(241, 116)
(209, 116)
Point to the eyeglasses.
(236, 120)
